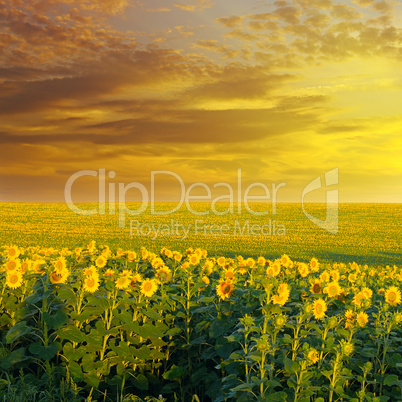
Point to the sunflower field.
(92, 323)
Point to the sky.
(283, 91)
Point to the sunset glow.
(284, 90)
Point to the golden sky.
(283, 90)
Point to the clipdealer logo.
(117, 193)
(116, 200)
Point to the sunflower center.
(392, 296)
(147, 286)
(226, 288)
(13, 279)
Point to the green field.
(368, 233)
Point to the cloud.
(231, 22)
(198, 6)
(344, 12)
(159, 10)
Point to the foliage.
(91, 323)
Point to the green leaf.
(92, 378)
(94, 340)
(217, 328)
(45, 352)
(57, 320)
(72, 333)
(73, 354)
(243, 387)
(88, 361)
(151, 331)
(140, 382)
(16, 356)
(199, 376)
(17, 331)
(101, 302)
(279, 397)
(206, 300)
(391, 379)
(291, 366)
(153, 315)
(174, 373)
(75, 371)
(142, 353)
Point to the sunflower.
(284, 289)
(119, 253)
(149, 287)
(316, 286)
(205, 279)
(127, 272)
(90, 271)
(144, 253)
(36, 267)
(92, 247)
(319, 309)
(224, 289)
(280, 298)
(349, 315)
(229, 274)
(250, 262)
(362, 319)
(169, 253)
(283, 294)
(101, 261)
(164, 274)
(393, 296)
(367, 292)
(324, 276)
(285, 260)
(135, 280)
(13, 252)
(59, 264)
(333, 289)
(157, 262)
(270, 271)
(279, 321)
(59, 276)
(314, 264)
(303, 269)
(107, 252)
(335, 275)
(359, 298)
(177, 256)
(261, 261)
(122, 282)
(198, 252)
(277, 268)
(91, 284)
(131, 256)
(312, 356)
(347, 348)
(194, 259)
(109, 273)
(14, 279)
(13, 265)
(26, 266)
(398, 317)
(221, 261)
(352, 278)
